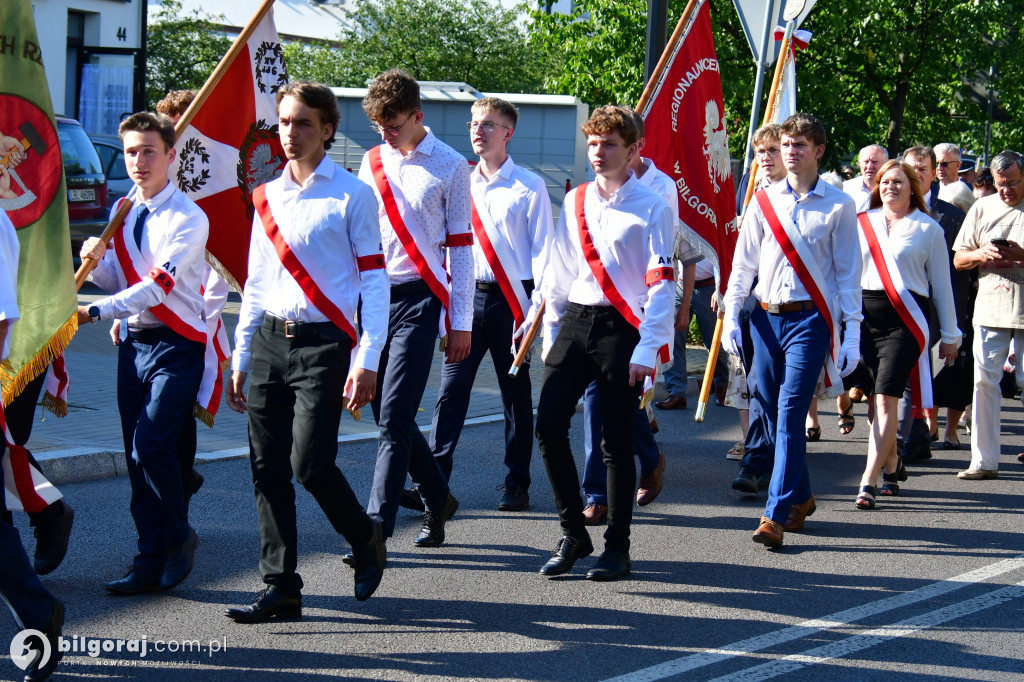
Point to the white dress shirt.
(9, 253)
(517, 201)
(174, 240)
(827, 219)
(861, 195)
(918, 246)
(658, 181)
(637, 226)
(435, 180)
(334, 214)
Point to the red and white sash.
(498, 251)
(608, 274)
(810, 275)
(301, 264)
(413, 237)
(25, 488)
(872, 235)
(171, 312)
(55, 387)
(218, 351)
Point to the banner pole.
(89, 264)
(648, 92)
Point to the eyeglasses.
(1008, 185)
(943, 164)
(766, 152)
(487, 126)
(391, 131)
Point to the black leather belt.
(494, 286)
(291, 329)
(406, 288)
(793, 307)
(706, 282)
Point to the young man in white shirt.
(314, 253)
(512, 224)
(422, 188)
(796, 238)
(609, 291)
(156, 269)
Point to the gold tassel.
(56, 405)
(15, 384)
(203, 415)
(646, 399)
(357, 413)
(443, 345)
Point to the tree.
(477, 42)
(182, 50)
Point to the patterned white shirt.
(334, 214)
(435, 180)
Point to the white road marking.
(810, 627)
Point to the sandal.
(890, 486)
(866, 498)
(901, 471)
(846, 421)
(814, 433)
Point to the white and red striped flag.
(231, 146)
(684, 120)
(785, 100)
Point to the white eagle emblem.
(716, 145)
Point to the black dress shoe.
(411, 499)
(136, 581)
(39, 669)
(179, 561)
(746, 481)
(52, 537)
(432, 533)
(611, 565)
(568, 550)
(369, 560)
(515, 498)
(272, 603)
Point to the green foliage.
(182, 50)
(476, 41)
(693, 335)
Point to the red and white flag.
(785, 100)
(55, 387)
(684, 121)
(231, 147)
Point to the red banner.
(231, 147)
(684, 120)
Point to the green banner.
(33, 193)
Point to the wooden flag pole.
(524, 348)
(705, 389)
(648, 92)
(89, 264)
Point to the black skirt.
(888, 349)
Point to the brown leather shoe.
(769, 533)
(650, 485)
(673, 402)
(797, 514)
(595, 514)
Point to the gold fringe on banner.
(14, 384)
(203, 415)
(55, 405)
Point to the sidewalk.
(87, 444)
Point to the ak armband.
(165, 281)
(374, 261)
(657, 274)
(463, 239)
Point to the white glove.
(849, 352)
(732, 337)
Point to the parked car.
(112, 157)
(86, 182)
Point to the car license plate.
(88, 194)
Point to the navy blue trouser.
(593, 344)
(30, 602)
(158, 376)
(789, 353)
(401, 379)
(492, 332)
(595, 473)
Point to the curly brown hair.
(175, 103)
(390, 95)
(610, 118)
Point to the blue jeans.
(492, 332)
(789, 353)
(401, 379)
(595, 473)
(700, 307)
(158, 376)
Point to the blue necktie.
(139, 222)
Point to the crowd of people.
(352, 278)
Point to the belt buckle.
(290, 327)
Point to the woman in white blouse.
(905, 262)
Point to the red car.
(86, 182)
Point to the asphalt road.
(929, 586)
